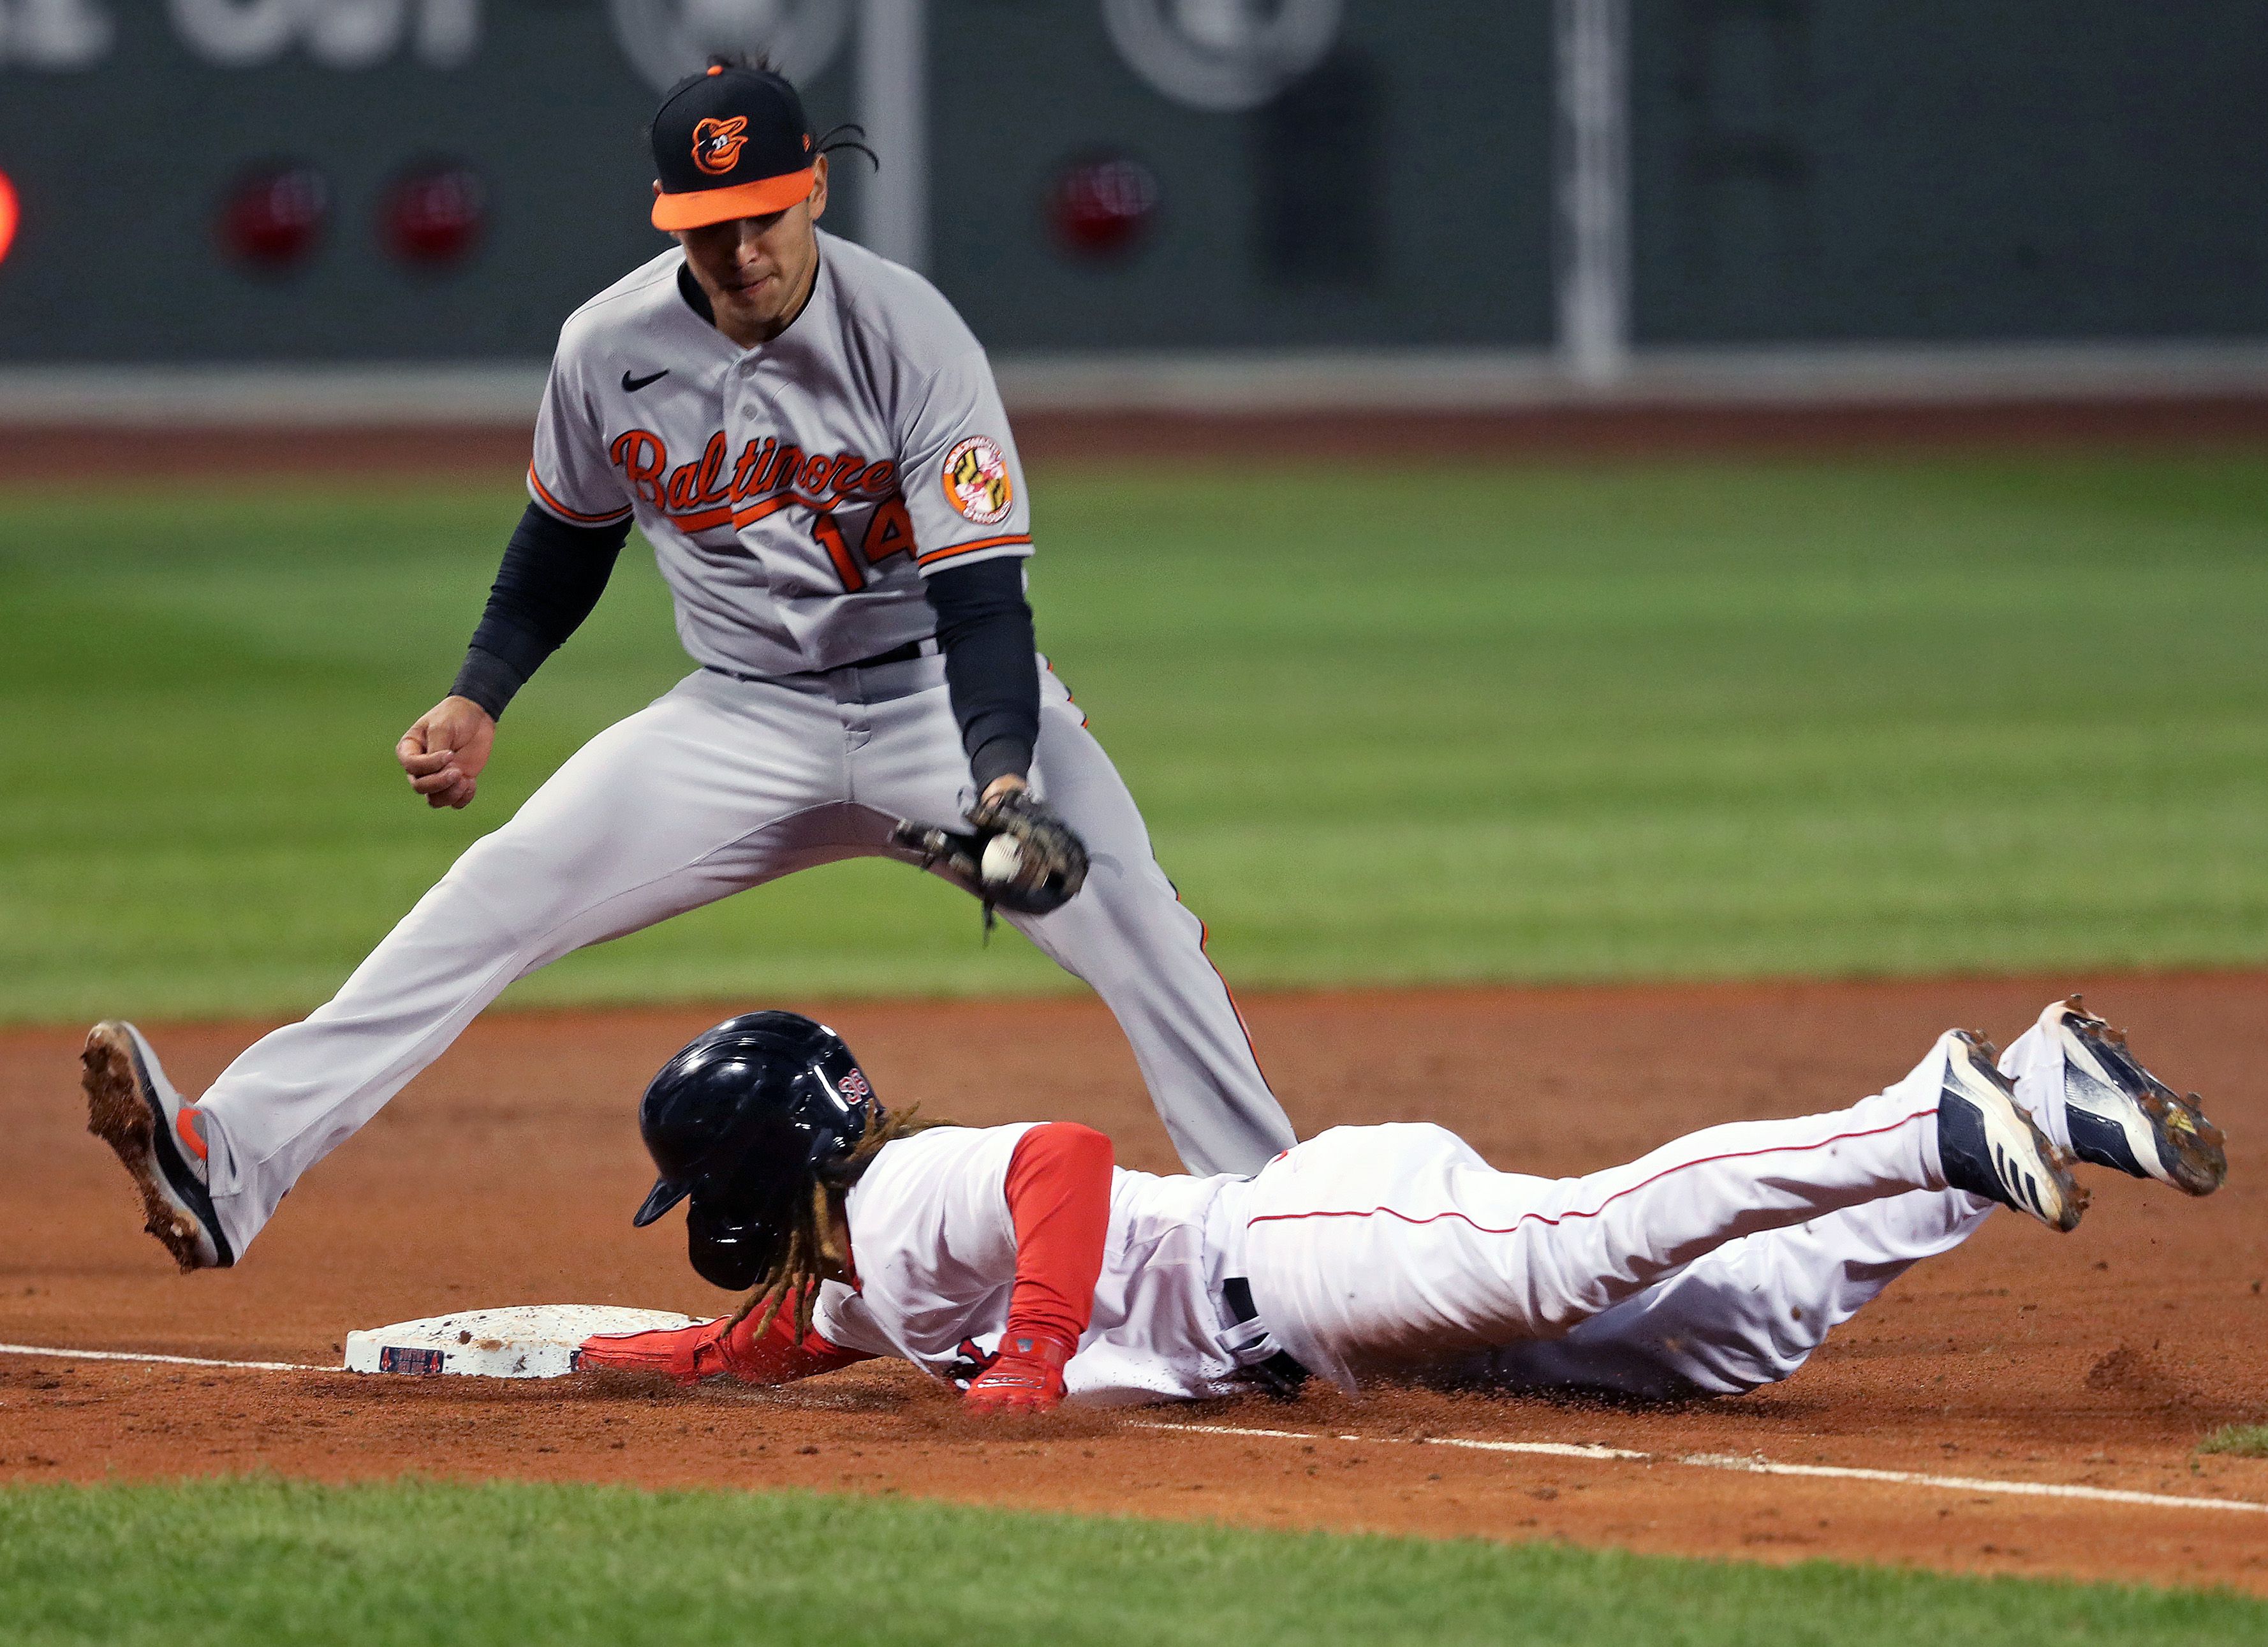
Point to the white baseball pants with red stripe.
(1714, 1264)
(717, 786)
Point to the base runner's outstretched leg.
(1398, 1246)
(1752, 1312)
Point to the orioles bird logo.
(717, 144)
(976, 478)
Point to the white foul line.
(1751, 1467)
(173, 1361)
(1542, 1449)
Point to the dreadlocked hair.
(812, 1252)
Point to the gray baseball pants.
(718, 786)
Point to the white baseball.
(1003, 858)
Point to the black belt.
(906, 654)
(1280, 1376)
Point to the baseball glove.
(1021, 857)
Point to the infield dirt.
(508, 1172)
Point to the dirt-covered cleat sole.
(2121, 1116)
(132, 1107)
(1990, 1147)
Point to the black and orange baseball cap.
(730, 142)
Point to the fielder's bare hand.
(444, 752)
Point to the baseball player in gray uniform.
(810, 438)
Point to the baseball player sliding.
(1018, 1262)
(810, 438)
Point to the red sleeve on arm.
(1058, 1194)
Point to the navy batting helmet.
(743, 1120)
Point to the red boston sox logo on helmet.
(854, 1086)
(717, 144)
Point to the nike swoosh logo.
(631, 385)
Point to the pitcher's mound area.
(509, 1172)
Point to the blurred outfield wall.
(1090, 178)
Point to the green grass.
(429, 1565)
(1658, 721)
(2242, 1440)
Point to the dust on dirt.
(508, 1172)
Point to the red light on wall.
(1102, 205)
(274, 216)
(10, 216)
(433, 214)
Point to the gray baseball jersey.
(795, 494)
(859, 450)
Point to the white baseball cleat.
(133, 1108)
(1990, 1147)
(2119, 1115)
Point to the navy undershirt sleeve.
(552, 576)
(984, 628)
